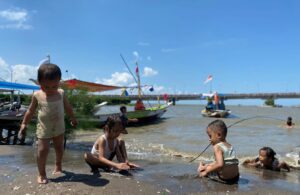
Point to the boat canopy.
(89, 86)
(10, 85)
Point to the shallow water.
(182, 131)
(166, 147)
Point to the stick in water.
(200, 153)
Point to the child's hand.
(203, 173)
(22, 132)
(73, 122)
(132, 165)
(123, 166)
(246, 162)
(201, 167)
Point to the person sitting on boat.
(222, 105)
(139, 105)
(266, 160)
(210, 106)
(216, 98)
(125, 119)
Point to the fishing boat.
(215, 113)
(140, 112)
(148, 115)
(215, 109)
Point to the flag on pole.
(209, 78)
(137, 70)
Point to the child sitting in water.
(106, 147)
(267, 160)
(226, 163)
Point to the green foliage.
(270, 102)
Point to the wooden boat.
(215, 113)
(216, 109)
(144, 116)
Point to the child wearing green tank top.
(225, 165)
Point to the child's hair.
(111, 121)
(270, 152)
(289, 121)
(48, 72)
(218, 125)
(122, 108)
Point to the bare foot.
(57, 172)
(42, 180)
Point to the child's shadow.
(91, 180)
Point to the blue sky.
(247, 46)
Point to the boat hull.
(216, 113)
(144, 116)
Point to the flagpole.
(210, 87)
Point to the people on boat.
(107, 146)
(139, 105)
(210, 106)
(166, 98)
(266, 160)
(225, 165)
(222, 105)
(125, 119)
(216, 99)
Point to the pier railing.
(199, 96)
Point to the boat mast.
(139, 80)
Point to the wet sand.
(173, 176)
(18, 176)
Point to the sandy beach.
(18, 176)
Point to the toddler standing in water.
(267, 160)
(107, 146)
(226, 163)
(51, 104)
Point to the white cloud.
(136, 54)
(159, 89)
(118, 79)
(5, 71)
(20, 73)
(148, 72)
(14, 19)
(143, 43)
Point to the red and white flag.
(209, 78)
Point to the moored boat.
(215, 107)
(147, 115)
(215, 113)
